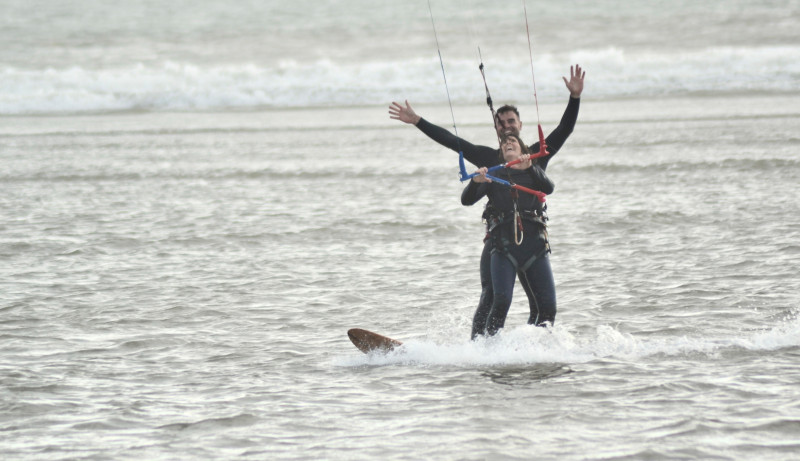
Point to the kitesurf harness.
(495, 221)
(494, 217)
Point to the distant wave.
(181, 86)
(351, 170)
(745, 165)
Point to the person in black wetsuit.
(518, 238)
(507, 121)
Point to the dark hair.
(507, 108)
(523, 147)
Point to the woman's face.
(511, 149)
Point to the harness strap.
(493, 220)
(501, 246)
(528, 263)
(535, 257)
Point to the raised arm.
(575, 82)
(477, 155)
(559, 135)
(404, 114)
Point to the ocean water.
(200, 198)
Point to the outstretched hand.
(404, 114)
(575, 82)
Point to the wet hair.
(523, 147)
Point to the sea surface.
(199, 199)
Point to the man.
(507, 121)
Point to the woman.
(516, 226)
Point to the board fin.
(367, 341)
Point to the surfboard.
(367, 341)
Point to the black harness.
(495, 220)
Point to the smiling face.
(508, 123)
(510, 148)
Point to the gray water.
(179, 270)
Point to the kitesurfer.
(507, 121)
(517, 234)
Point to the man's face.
(508, 123)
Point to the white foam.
(527, 345)
(611, 73)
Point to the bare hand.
(524, 162)
(575, 82)
(404, 114)
(481, 176)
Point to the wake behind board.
(367, 341)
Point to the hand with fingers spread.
(404, 114)
(575, 82)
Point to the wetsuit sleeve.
(477, 155)
(473, 192)
(543, 183)
(559, 135)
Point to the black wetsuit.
(514, 250)
(486, 156)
